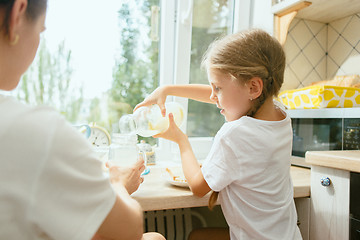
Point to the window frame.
(175, 56)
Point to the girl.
(249, 162)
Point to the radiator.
(174, 224)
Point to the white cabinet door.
(329, 204)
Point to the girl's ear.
(18, 14)
(255, 87)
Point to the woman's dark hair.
(34, 9)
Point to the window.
(97, 61)
(198, 23)
(211, 20)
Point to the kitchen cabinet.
(316, 10)
(330, 198)
(320, 39)
(329, 208)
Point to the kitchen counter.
(156, 193)
(344, 160)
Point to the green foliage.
(48, 82)
(135, 74)
(198, 111)
(203, 34)
(95, 111)
(136, 71)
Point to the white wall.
(262, 16)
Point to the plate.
(177, 172)
(178, 183)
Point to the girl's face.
(231, 96)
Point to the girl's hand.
(130, 177)
(173, 133)
(158, 96)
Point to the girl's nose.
(213, 97)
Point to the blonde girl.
(248, 165)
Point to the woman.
(51, 183)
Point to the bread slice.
(340, 81)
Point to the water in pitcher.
(148, 121)
(123, 150)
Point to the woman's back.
(45, 177)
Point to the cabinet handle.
(325, 181)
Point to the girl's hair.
(34, 9)
(244, 55)
(248, 54)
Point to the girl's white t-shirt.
(51, 183)
(249, 164)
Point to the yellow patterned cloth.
(321, 97)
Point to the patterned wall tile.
(338, 53)
(338, 26)
(291, 49)
(289, 74)
(302, 67)
(351, 32)
(332, 67)
(316, 51)
(305, 51)
(344, 38)
(351, 65)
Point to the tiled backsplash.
(318, 51)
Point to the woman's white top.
(249, 164)
(51, 184)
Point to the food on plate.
(175, 177)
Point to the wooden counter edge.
(343, 159)
(300, 177)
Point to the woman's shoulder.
(24, 117)
(13, 106)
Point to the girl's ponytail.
(213, 199)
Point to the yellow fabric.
(321, 97)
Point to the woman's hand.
(158, 96)
(130, 177)
(173, 133)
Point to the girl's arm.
(198, 92)
(190, 165)
(192, 170)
